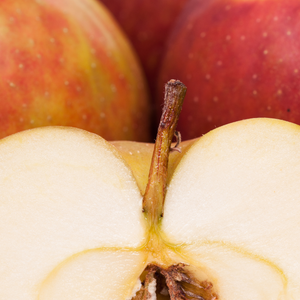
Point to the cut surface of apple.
(58, 189)
(72, 226)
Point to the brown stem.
(154, 197)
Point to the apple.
(147, 23)
(224, 225)
(68, 63)
(240, 59)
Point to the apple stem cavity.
(153, 201)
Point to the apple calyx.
(174, 281)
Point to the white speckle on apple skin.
(65, 30)
(243, 38)
(52, 40)
(203, 34)
(66, 82)
(296, 71)
(265, 34)
(125, 129)
(21, 66)
(289, 33)
(207, 76)
(228, 38)
(254, 76)
(216, 99)
(196, 99)
(219, 63)
(209, 118)
(255, 92)
(266, 52)
(11, 84)
(93, 65)
(46, 94)
(279, 92)
(189, 26)
(31, 42)
(78, 88)
(113, 88)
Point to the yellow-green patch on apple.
(68, 63)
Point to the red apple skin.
(68, 63)
(147, 24)
(239, 59)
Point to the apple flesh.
(138, 156)
(72, 226)
(148, 35)
(69, 64)
(239, 59)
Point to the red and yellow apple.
(68, 63)
(147, 24)
(239, 58)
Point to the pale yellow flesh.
(63, 191)
(72, 228)
(235, 200)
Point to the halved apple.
(72, 225)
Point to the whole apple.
(68, 63)
(240, 59)
(147, 24)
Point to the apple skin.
(240, 59)
(147, 24)
(69, 64)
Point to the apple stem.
(154, 197)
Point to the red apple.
(147, 23)
(68, 63)
(240, 59)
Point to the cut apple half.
(74, 225)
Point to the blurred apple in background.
(147, 23)
(239, 59)
(68, 63)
